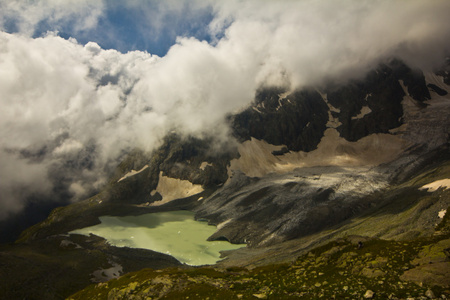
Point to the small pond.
(175, 233)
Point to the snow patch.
(280, 104)
(365, 110)
(269, 238)
(345, 181)
(437, 80)
(434, 186)
(441, 214)
(259, 106)
(132, 173)
(103, 275)
(284, 95)
(256, 158)
(204, 165)
(69, 244)
(257, 110)
(332, 121)
(172, 188)
(222, 225)
(405, 89)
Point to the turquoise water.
(175, 233)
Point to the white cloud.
(75, 109)
(311, 39)
(20, 179)
(82, 14)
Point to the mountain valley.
(327, 187)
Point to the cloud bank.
(69, 111)
(26, 16)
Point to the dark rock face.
(184, 158)
(177, 157)
(413, 79)
(444, 71)
(382, 93)
(297, 120)
(437, 89)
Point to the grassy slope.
(58, 266)
(338, 269)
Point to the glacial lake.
(175, 233)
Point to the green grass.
(338, 270)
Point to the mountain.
(306, 175)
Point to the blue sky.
(129, 29)
(145, 25)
